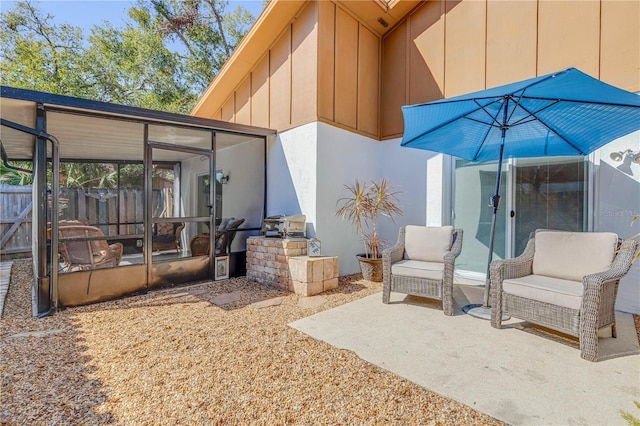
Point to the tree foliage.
(207, 34)
(163, 58)
(37, 54)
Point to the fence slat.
(85, 205)
(16, 224)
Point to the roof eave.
(272, 21)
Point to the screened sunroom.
(125, 199)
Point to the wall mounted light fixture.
(224, 179)
(621, 155)
(627, 157)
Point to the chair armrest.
(619, 268)
(518, 266)
(395, 253)
(521, 266)
(456, 247)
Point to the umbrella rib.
(486, 135)
(435, 128)
(482, 122)
(497, 123)
(453, 119)
(532, 115)
(537, 98)
(556, 132)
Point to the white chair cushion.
(427, 243)
(556, 291)
(418, 269)
(572, 255)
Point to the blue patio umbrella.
(564, 113)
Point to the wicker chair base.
(557, 318)
(416, 286)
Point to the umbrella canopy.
(564, 113)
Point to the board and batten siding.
(325, 66)
(281, 89)
(446, 48)
(328, 66)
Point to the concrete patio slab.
(517, 374)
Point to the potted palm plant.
(364, 205)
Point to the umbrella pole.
(484, 311)
(495, 203)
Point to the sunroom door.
(175, 219)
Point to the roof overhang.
(103, 131)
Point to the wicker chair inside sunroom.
(566, 281)
(166, 236)
(422, 263)
(83, 255)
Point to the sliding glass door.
(548, 193)
(474, 186)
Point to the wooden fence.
(15, 219)
(114, 212)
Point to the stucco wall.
(308, 167)
(618, 201)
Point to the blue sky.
(86, 13)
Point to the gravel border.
(174, 357)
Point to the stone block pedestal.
(267, 259)
(284, 263)
(313, 275)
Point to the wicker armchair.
(83, 255)
(566, 281)
(225, 233)
(422, 263)
(166, 236)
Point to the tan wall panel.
(426, 53)
(346, 74)
(243, 102)
(280, 83)
(368, 81)
(326, 52)
(620, 44)
(260, 93)
(511, 41)
(217, 115)
(568, 36)
(228, 109)
(465, 47)
(394, 66)
(304, 59)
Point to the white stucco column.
(438, 190)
